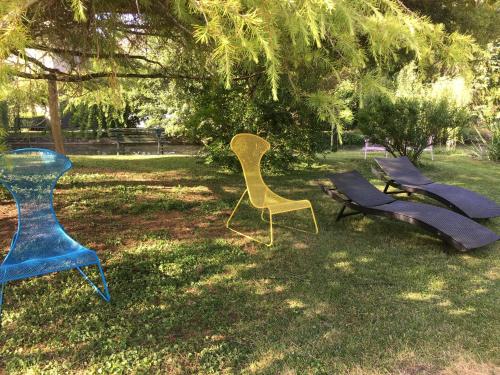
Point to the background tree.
(478, 18)
(486, 103)
(410, 114)
(300, 52)
(4, 115)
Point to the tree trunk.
(334, 138)
(55, 120)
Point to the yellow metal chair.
(249, 149)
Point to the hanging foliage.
(274, 55)
(94, 119)
(232, 38)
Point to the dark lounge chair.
(402, 174)
(355, 192)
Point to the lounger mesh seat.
(358, 194)
(402, 174)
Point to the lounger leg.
(246, 235)
(341, 212)
(386, 188)
(105, 293)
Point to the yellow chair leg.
(246, 235)
(316, 229)
(236, 208)
(271, 231)
(314, 220)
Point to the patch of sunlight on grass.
(300, 245)
(470, 260)
(445, 303)
(344, 266)
(480, 291)
(415, 296)
(266, 361)
(332, 335)
(129, 157)
(464, 311)
(279, 289)
(262, 286)
(233, 190)
(493, 274)
(339, 255)
(436, 285)
(470, 366)
(295, 304)
(364, 259)
(194, 291)
(322, 309)
(190, 189)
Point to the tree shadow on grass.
(162, 301)
(363, 294)
(312, 303)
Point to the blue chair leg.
(1, 301)
(105, 293)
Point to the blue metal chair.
(40, 245)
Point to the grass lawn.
(368, 295)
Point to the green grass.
(366, 295)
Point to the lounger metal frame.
(358, 209)
(410, 189)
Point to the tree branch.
(64, 77)
(92, 54)
(38, 63)
(91, 76)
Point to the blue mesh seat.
(40, 245)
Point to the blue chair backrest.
(31, 175)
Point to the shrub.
(3, 135)
(404, 125)
(487, 143)
(353, 138)
(291, 126)
(486, 104)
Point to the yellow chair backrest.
(249, 149)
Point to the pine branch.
(64, 77)
(93, 55)
(38, 63)
(90, 76)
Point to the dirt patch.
(110, 233)
(8, 224)
(459, 367)
(471, 367)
